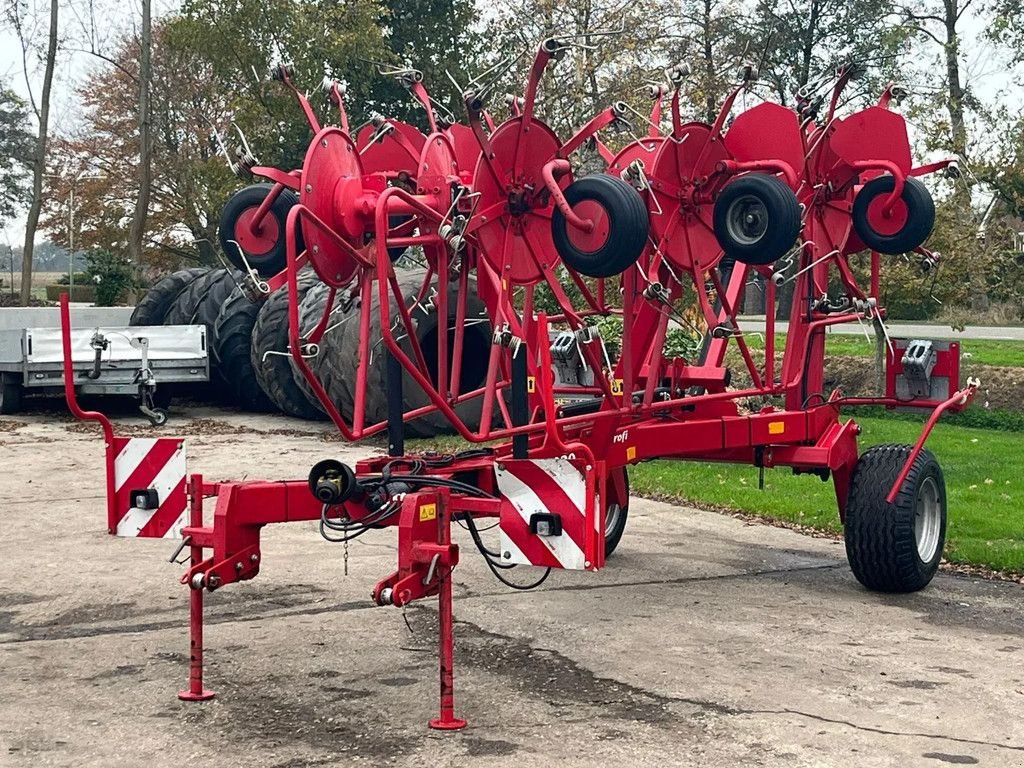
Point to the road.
(705, 642)
(755, 324)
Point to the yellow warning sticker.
(631, 453)
(616, 387)
(428, 512)
(776, 427)
(531, 384)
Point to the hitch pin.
(430, 571)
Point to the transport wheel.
(270, 355)
(757, 218)
(895, 547)
(906, 227)
(620, 226)
(10, 393)
(265, 250)
(154, 306)
(232, 349)
(615, 515)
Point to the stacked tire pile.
(251, 365)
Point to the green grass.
(974, 351)
(984, 473)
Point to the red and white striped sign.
(143, 463)
(546, 486)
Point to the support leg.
(447, 720)
(195, 691)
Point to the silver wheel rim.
(928, 519)
(747, 220)
(611, 518)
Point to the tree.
(138, 229)
(800, 44)
(16, 147)
(41, 108)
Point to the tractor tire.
(267, 252)
(912, 221)
(621, 226)
(341, 350)
(895, 547)
(270, 354)
(757, 219)
(154, 306)
(191, 306)
(311, 311)
(615, 516)
(232, 350)
(10, 393)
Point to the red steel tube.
(195, 691)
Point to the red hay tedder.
(689, 215)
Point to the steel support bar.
(195, 690)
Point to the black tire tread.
(784, 216)
(274, 372)
(880, 542)
(153, 307)
(232, 349)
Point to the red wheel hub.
(887, 224)
(595, 239)
(257, 240)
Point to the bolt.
(239, 566)
(253, 557)
(213, 581)
(309, 187)
(197, 581)
(506, 555)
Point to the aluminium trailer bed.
(109, 356)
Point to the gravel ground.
(706, 641)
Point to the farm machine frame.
(686, 214)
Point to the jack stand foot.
(447, 724)
(200, 696)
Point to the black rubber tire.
(10, 393)
(881, 545)
(340, 350)
(614, 529)
(920, 216)
(779, 210)
(628, 225)
(311, 311)
(232, 350)
(274, 371)
(191, 307)
(273, 261)
(154, 306)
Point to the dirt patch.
(9, 425)
(189, 428)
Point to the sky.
(984, 70)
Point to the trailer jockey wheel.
(264, 245)
(757, 218)
(905, 227)
(620, 227)
(895, 547)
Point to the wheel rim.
(747, 220)
(885, 224)
(594, 240)
(256, 243)
(928, 520)
(611, 518)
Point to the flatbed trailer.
(109, 357)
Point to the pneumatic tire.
(909, 224)
(271, 357)
(620, 233)
(155, 305)
(895, 547)
(757, 218)
(232, 349)
(616, 513)
(266, 251)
